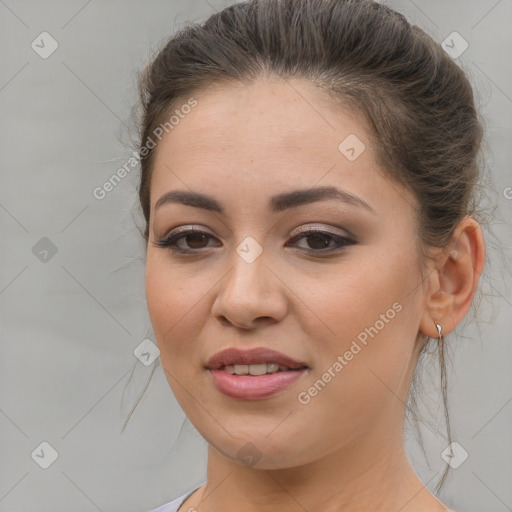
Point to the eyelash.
(170, 241)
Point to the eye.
(196, 238)
(319, 241)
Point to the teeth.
(255, 369)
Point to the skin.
(344, 450)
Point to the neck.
(372, 472)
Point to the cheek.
(355, 297)
(177, 304)
(161, 295)
(172, 296)
(370, 313)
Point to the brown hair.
(417, 101)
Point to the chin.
(261, 452)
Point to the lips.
(232, 356)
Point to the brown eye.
(191, 240)
(319, 241)
(195, 240)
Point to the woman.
(308, 171)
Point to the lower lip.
(255, 387)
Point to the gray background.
(70, 321)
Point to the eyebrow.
(277, 203)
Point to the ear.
(454, 279)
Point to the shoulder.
(172, 506)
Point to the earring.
(439, 329)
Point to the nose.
(250, 294)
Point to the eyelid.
(169, 241)
(303, 229)
(324, 229)
(186, 228)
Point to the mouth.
(254, 361)
(255, 373)
(235, 381)
(256, 370)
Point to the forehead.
(286, 124)
(272, 113)
(251, 141)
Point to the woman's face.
(350, 310)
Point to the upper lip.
(232, 355)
